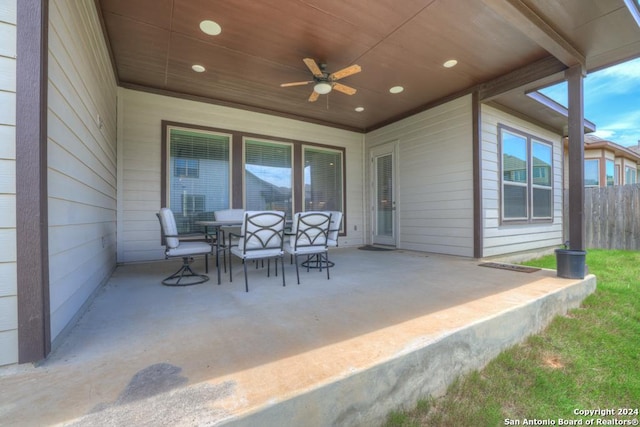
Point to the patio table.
(215, 226)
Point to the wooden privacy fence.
(612, 217)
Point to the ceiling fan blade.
(344, 89)
(314, 96)
(345, 72)
(295, 84)
(313, 67)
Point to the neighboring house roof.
(593, 142)
(635, 149)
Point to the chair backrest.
(310, 229)
(334, 227)
(229, 215)
(169, 228)
(262, 230)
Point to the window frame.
(529, 185)
(341, 167)
(627, 170)
(166, 175)
(273, 142)
(236, 169)
(598, 173)
(607, 164)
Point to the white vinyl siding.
(81, 159)
(434, 200)
(139, 155)
(505, 238)
(8, 279)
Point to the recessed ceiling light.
(450, 63)
(359, 109)
(210, 27)
(396, 89)
(198, 68)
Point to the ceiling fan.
(325, 82)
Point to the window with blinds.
(202, 174)
(199, 176)
(268, 176)
(527, 177)
(541, 183)
(322, 179)
(514, 176)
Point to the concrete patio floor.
(388, 328)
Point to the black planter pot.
(570, 264)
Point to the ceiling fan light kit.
(325, 82)
(322, 88)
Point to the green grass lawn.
(588, 359)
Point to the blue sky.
(611, 101)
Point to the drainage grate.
(512, 267)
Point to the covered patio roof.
(388, 328)
(499, 46)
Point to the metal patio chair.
(334, 233)
(309, 237)
(228, 215)
(175, 247)
(261, 236)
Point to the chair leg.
(326, 255)
(282, 262)
(297, 272)
(230, 271)
(184, 271)
(218, 265)
(246, 280)
(224, 259)
(206, 263)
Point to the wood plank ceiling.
(154, 44)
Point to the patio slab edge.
(365, 397)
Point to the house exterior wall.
(139, 155)
(434, 200)
(503, 239)
(81, 159)
(604, 154)
(8, 278)
(624, 164)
